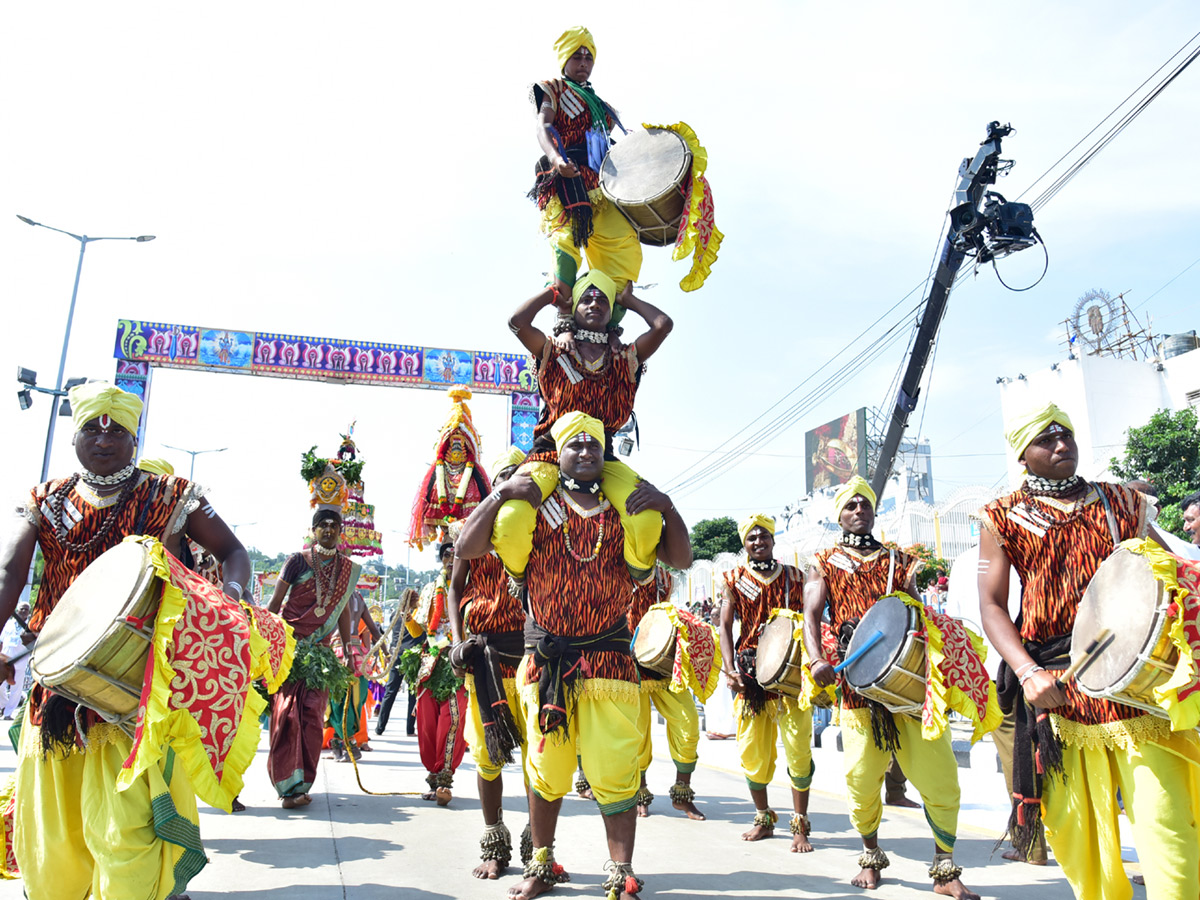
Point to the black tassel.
(59, 735)
(883, 728)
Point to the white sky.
(358, 170)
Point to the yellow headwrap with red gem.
(758, 520)
(570, 424)
(570, 41)
(99, 398)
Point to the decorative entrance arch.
(143, 346)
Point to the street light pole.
(195, 453)
(84, 240)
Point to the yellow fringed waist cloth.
(198, 698)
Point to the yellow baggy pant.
(757, 736)
(613, 248)
(602, 732)
(929, 765)
(683, 724)
(512, 533)
(75, 833)
(473, 730)
(1161, 792)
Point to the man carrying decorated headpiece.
(573, 133)
(312, 594)
(753, 594)
(75, 833)
(578, 681)
(849, 578)
(1072, 752)
(487, 624)
(455, 481)
(595, 378)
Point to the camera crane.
(983, 225)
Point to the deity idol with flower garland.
(338, 481)
(455, 482)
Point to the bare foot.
(867, 878)
(490, 869)
(443, 796)
(955, 889)
(800, 844)
(303, 800)
(237, 805)
(528, 889)
(289, 802)
(758, 832)
(643, 810)
(587, 794)
(429, 795)
(689, 808)
(1136, 879)
(902, 801)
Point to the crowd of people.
(530, 650)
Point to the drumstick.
(1088, 657)
(867, 645)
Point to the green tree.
(712, 536)
(1166, 452)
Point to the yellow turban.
(514, 456)
(594, 278)
(99, 398)
(856, 485)
(570, 424)
(757, 520)
(570, 41)
(155, 466)
(1022, 429)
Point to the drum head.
(774, 649)
(654, 634)
(85, 613)
(1122, 596)
(644, 165)
(892, 616)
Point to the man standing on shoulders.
(750, 593)
(1056, 530)
(579, 681)
(849, 578)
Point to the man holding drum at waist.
(1056, 530)
(749, 594)
(69, 811)
(573, 133)
(850, 578)
(578, 681)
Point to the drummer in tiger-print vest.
(849, 578)
(593, 377)
(676, 706)
(749, 594)
(578, 681)
(1056, 530)
(487, 623)
(573, 133)
(75, 834)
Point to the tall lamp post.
(84, 240)
(195, 453)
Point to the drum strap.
(891, 569)
(1112, 519)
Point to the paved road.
(351, 846)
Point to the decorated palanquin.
(455, 482)
(198, 698)
(337, 481)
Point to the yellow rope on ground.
(354, 761)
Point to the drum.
(778, 659)
(892, 672)
(644, 176)
(654, 642)
(95, 645)
(1125, 597)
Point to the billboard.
(836, 451)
